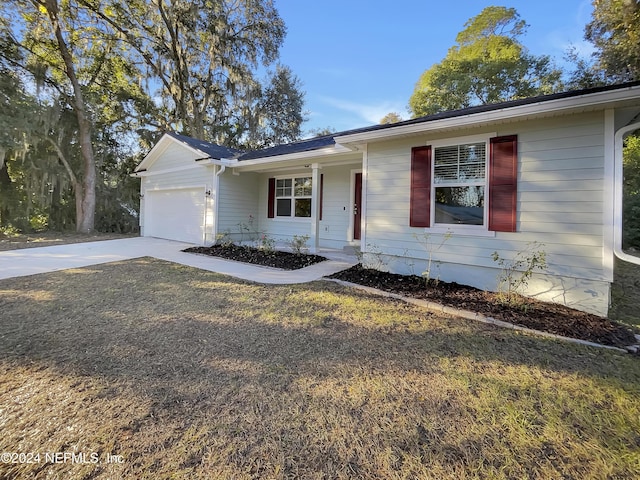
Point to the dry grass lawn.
(180, 373)
(49, 239)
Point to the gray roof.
(211, 149)
(493, 106)
(217, 151)
(295, 147)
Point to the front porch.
(319, 201)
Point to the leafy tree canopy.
(615, 32)
(488, 64)
(392, 117)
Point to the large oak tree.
(488, 64)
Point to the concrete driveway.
(31, 261)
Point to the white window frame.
(459, 229)
(292, 197)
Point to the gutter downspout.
(216, 200)
(617, 198)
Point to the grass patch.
(50, 238)
(189, 374)
(625, 293)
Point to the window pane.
(472, 162)
(283, 207)
(303, 207)
(459, 163)
(303, 187)
(446, 164)
(283, 187)
(460, 205)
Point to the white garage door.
(176, 214)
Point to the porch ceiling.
(274, 164)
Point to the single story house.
(445, 190)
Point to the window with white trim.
(293, 197)
(459, 184)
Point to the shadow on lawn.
(169, 329)
(195, 374)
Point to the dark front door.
(357, 207)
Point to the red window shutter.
(272, 198)
(321, 193)
(503, 182)
(420, 199)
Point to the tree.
(392, 117)
(201, 55)
(586, 73)
(322, 131)
(282, 108)
(108, 72)
(487, 65)
(615, 32)
(631, 192)
(51, 49)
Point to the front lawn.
(157, 370)
(51, 238)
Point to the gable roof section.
(200, 148)
(211, 149)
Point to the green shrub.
(298, 244)
(631, 222)
(515, 273)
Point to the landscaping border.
(436, 307)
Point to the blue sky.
(360, 59)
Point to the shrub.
(298, 244)
(224, 239)
(515, 273)
(266, 243)
(431, 247)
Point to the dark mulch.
(274, 258)
(548, 317)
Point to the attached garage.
(178, 189)
(175, 214)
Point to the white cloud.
(370, 112)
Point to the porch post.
(315, 209)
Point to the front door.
(357, 206)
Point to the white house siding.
(560, 204)
(334, 226)
(199, 177)
(238, 196)
(174, 155)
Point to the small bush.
(430, 247)
(515, 274)
(298, 244)
(224, 239)
(9, 231)
(266, 243)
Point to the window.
(459, 180)
(293, 197)
(472, 183)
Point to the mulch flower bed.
(543, 316)
(548, 317)
(266, 258)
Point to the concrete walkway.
(31, 261)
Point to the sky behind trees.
(360, 59)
